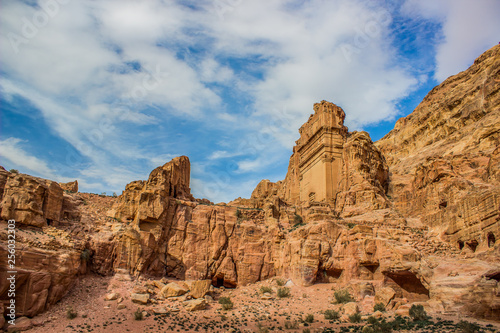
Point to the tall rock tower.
(316, 164)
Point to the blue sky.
(105, 91)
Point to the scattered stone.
(140, 298)
(173, 290)
(195, 304)
(111, 297)
(22, 324)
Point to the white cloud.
(11, 149)
(469, 28)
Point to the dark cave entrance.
(49, 222)
(328, 275)
(407, 285)
(491, 240)
(219, 281)
(472, 245)
(460, 245)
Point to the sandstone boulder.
(195, 304)
(198, 289)
(384, 295)
(350, 308)
(139, 298)
(173, 290)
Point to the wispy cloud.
(11, 150)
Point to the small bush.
(355, 318)
(309, 318)
(226, 303)
(138, 314)
(14, 171)
(283, 292)
(372, 320)
(417, 312)
(71, 313)
(291, 326)
(266, 289)
(379, 307)
(238, 213)
(280, 282)
(351, 225)
(331, 315)
(115, 195)
(466, 327)
(342, 296)
(227, 306)
(297, 219)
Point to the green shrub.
(355, 318)
(138, 314)
(71, 313)
(351, 225)
(14, 171)
(297, 219)
(283, 292)
(331, 315)
(266, 289)
(467, 327)
(226, 303)
(379, 307)
(280, 282)
(372, 320)
(417, 312)
(238, 213)
(309, 318)
(342, 296)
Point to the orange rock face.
(444, 160)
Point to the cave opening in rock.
(219, 281)
(460, 245)
(472, 245)
(494, 276)
(408, 285)
(328, 275)
(49, 222)
(491, 239)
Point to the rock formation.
(411, 218)
(444, 157)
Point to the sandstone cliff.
(443, 157)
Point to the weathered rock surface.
(71, 186)
(443, 157)
(34, 201)
(43, 277)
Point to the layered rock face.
(35, 201)
(443, 157)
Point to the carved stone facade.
(320, 153)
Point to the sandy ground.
(250, 313)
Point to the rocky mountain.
(411, 219)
